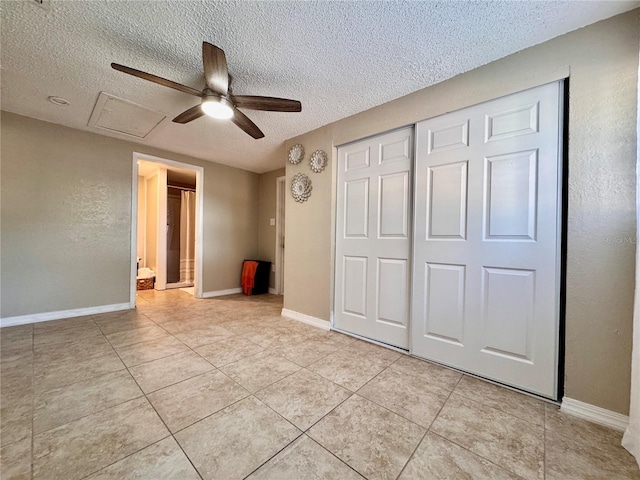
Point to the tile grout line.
(172, 434)
(80, 381)
(351, 394)
(306, 432)
(467, 449)
(302, 432)
(156, 412)
(101, 410)
(143, 395)
(251, 394)
(428, 429)
(477, 455)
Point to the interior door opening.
(167, 218)
(180, 231)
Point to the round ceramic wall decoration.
(296, 154)
(301, 187)
(318, 161)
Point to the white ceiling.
(338, 58)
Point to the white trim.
(281, 183)
(47, 316)
(594, 414)
(308, 319)
(334, 239)
(221, 293)
(199, 219)
(199, 214)
(134, 233)
(161, 231)
(273, 291)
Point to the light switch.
(272, 221)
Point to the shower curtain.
(187, 236)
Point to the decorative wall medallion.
(301, 187)
(318, 161)
(296, 154)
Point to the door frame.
(280, 210)
(134, 220)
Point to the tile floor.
(227, 389)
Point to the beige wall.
(151, 223)
(602, 61)
(308, 266)
(142, 219)
(66, 218)
(266, 211)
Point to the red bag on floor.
(249, 268)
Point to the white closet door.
(487, 239)
(373, 235)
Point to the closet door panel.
(373, 238)
(487, 239)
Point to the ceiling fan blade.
(270, 104)
(215, 68)
(155, 79)
(241, 120)
(189, 115)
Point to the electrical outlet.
(272, 221)
(273, 267)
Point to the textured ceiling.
(338, 58)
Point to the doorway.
(167, 224)
(181, 195)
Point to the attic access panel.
(123, 117)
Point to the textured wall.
(308, 267)
(602, 62)
(66, 218)
(266, 211)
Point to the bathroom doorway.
(181, 203)
(167, 212)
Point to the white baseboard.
(308, 319)
(77, 312)
(594, 414)
(272, 291)
(221, 293)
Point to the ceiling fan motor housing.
(216, 105)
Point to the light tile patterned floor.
(227, 389)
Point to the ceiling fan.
(217, 99)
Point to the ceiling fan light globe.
(217, 108)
